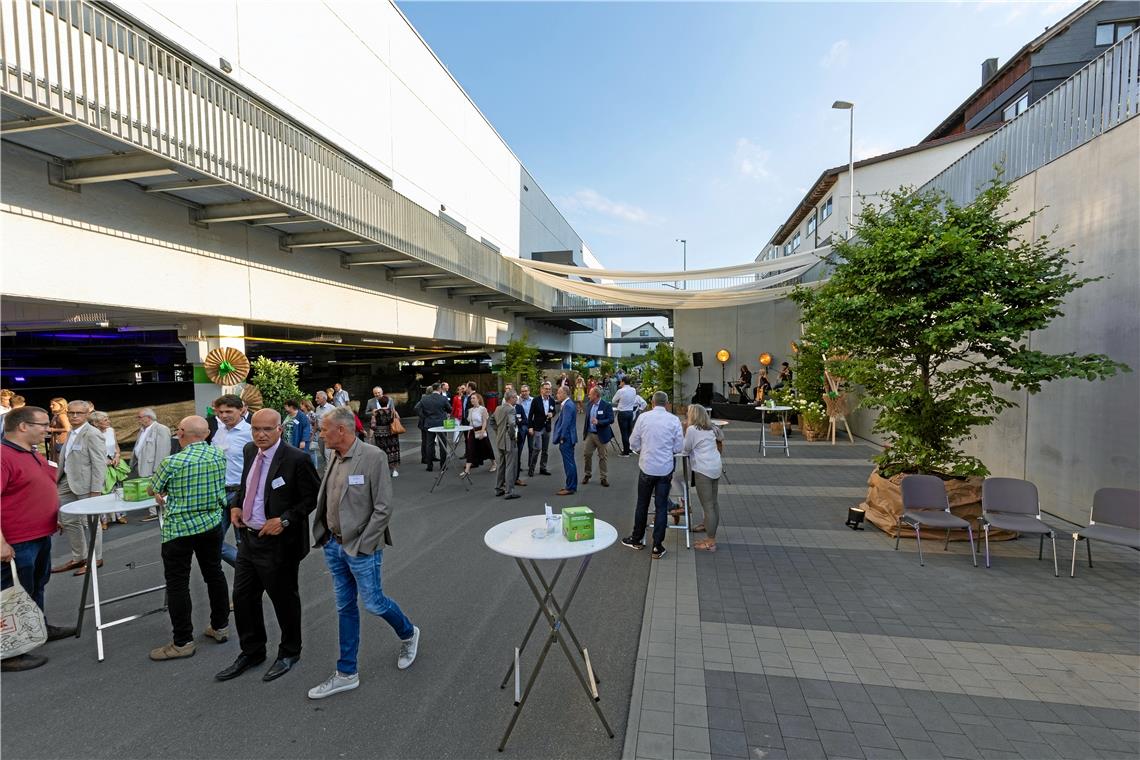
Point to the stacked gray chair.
(1115, 519)
(1011, 504)
(925, 504)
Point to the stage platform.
(741, 412)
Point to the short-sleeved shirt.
(29, 501)
(194, 481)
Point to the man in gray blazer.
(506, 426)
(351, 525)
(151, 446)
(82, 471)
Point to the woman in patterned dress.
(380, 424)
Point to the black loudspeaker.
(719, 399)
(704, 394)
(698, 359)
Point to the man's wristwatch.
(284, 522)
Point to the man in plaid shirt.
(190, 486)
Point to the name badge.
(356, 480)
(278, 482)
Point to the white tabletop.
(774, 408)
(456, 429)
(513, 539)
(719, 423)
(98, 505)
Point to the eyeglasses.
(41, 424)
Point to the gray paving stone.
(919, 750)
(763, 735)
(656, 722)
(728, 743)
(691, 739)
(840, 744)
(797, 727)
(725, 718)
(804, 749)
(691, 715)
(955, 745)
(655, 746)
(873, 735)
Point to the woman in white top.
(478, 441)
(703, 442)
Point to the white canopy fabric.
(756, 267)
(738, 295)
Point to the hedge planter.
(884, 505)
(816, 432)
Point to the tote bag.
(22, 626)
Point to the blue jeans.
(229, 551)
(360, 574)
(569, 465)
(33, 567)
(658, 487)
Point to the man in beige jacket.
(354, 506)
(506, 445)
(151, 446)
(82, 471)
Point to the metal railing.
(1097, 98)
(76, 60)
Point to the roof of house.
(827, 179)
(643, 324)
(1031, 47)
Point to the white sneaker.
(338, 682)
(408, 649)
(395, 473)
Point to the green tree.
(807, 376)
(277, 382)
(607, 367)
(681, 362)
(663, 361)
(520, 363)
(929, 308)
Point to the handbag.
(22, 626)
(397, 426)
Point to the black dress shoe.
(57, 632)
(544, 472)
(241, 664)
(279, 668)
(513, 496)
(22, 662)
(430, 468)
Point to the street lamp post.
(844, 105)
(684, 259)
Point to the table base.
(555, 615)
(764, 445)
(450, 449)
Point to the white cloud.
(836, 56)
(588, 199)
(751, 160)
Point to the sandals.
(676, 513)
(700, 528)
(707, 545)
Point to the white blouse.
(700, 445)
(477, 416)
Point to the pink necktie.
(253, 485)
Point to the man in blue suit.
(597, 433)
(565, 436)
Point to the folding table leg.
(534, 620)
(92, 525)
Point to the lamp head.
(842, 105)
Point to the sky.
(646, 122)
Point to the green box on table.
(578, 523)
(135, 489)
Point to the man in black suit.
(278, 492)
(542, 411)
(431, 410)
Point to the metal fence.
(1097, 98)
(76, 60)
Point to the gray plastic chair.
(925, 503)
(1115, 519)
(1011, 504)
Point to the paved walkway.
(800, 638)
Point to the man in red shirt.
(29, 514)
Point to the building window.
(1113, 31)
(643, 334)
(645, 345)
(811, 224)
(825, 210)
(1019, 106)
(796, 241)
(787, 248)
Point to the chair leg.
(946, 546)
(1088, 545)
(1041, 546)
(1073, 569)
(918, 540)
(898, 533)
(1053, 538)
(973, 554)
(986, 531)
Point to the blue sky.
(647, 122)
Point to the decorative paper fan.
(226, 366)
(765, 358)
(252, 398)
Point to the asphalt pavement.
(471, 604)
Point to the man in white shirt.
(657, 437)
(624, 403)
(232, 435)
(340, 395)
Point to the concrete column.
(214, 333)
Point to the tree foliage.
(929, 309)
(277, 381)
(520, 363)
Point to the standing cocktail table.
(764, 410)
(514, 538)
(91, 509)
(441, 432)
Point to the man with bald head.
(190, 486)
(271, 513)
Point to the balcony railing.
(1097, 98)
(76, 60)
